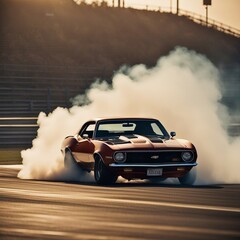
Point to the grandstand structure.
(26, 90)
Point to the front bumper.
(135, 170)
(153, 165)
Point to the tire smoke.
(182, 91)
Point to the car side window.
(156, 129)
(88, 131)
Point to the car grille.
(154, 157)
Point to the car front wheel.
(189, 178)
(102, 175)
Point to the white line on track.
(76, 196)
(18, 118)
(12, 166)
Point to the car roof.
(121, 118)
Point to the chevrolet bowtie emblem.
(155, 157)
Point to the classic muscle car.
(134, 148)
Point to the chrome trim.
(158, 150)
(154, 165)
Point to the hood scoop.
(145, 139)
(133, 139)
(114, 141)
(155, 139)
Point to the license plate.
(154, 171)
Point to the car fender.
(68, 142)
(105, 152)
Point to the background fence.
(200, 19)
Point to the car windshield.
(131, 127)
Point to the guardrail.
(20, 131)
(17, 132)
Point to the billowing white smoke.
(182, 90)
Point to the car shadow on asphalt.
(148, 184)
(164, 185)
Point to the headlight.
(120, 157)
(187, 156)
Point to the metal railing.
(211, 23)
(200, 19)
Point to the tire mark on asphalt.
(125, 201)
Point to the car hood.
(145, 142)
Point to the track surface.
(59, 210)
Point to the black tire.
(189, 178)
(101, 174)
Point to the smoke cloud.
(182, 91)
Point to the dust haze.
(182, 91)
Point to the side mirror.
(173, 134)
(85, 136)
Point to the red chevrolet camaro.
(134, 148)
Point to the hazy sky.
(225, 11)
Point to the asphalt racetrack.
(133, 210)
